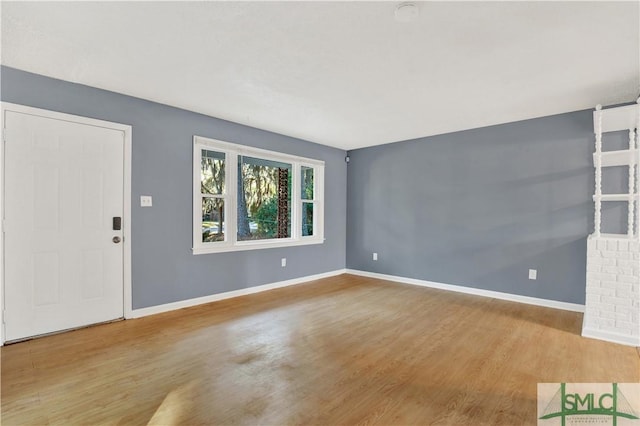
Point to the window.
(247, 198)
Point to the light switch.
(146, 201)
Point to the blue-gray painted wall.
(163, 268)
(479, 208)
(476, 208)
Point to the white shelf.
(616, 236)
(625, 157)
(616, 197)
(620, 118)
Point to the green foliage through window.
(259, 182)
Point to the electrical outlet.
(146, 201)
(283, 262)
(375, 256)
(533, 274)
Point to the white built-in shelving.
(612, 302)
(614, 120)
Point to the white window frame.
(230, 243)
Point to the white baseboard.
(475, 291)
(143, 312)
(611, 337)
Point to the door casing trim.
(127, 133)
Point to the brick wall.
(612, 308)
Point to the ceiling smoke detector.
(407, 12)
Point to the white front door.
(63, 259)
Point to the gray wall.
(164, 270)
(479, 208)
(475, 208)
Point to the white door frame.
(126, 129)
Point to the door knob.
(116, 240)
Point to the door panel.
(64, 182)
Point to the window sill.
(252, 245)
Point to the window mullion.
(318, 200)
(296, 203)
(232, 197)
(314, 204)
(197, 196)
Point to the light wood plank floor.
(341, 350)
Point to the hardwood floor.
(342, 350)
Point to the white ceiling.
(344, 74)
